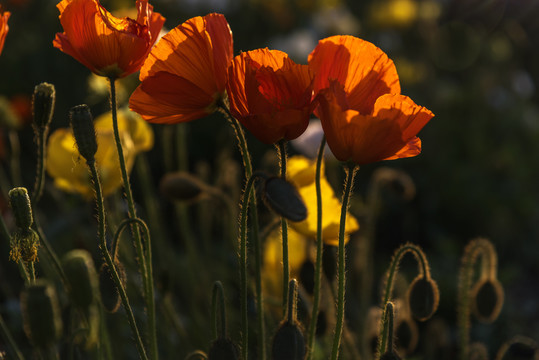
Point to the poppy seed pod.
(283, 198)
(288, 342)
(43, 101)
(81, 276)
(181, 186)
(82, 124)
(22, 207)
(109, 295)
(488, 296)
(223, 349)
(423, 297)
(41, 314)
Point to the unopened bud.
(43, 101)
(182, 186)
(82, 124)
(110, 297)
(81, 276)
(41, 314)
(288, 342)
(283, 198)
(423, 297)
(24, 245)
(21, 206)
(223, 349)
(488, 296)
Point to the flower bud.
(423, 297)
(288, 342)
(283, 198)
(21, 206)
(82, 124)
(223, 349)
(24, 245)
(43, 101)
(110, 297)
(81, 276)
(181, 186)
(487, 299)
(41, 314)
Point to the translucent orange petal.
(388, 133)
(199, 50)
(167, 98)
(4, 28)
(364, 70)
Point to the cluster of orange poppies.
(349, 83)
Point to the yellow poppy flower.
(272, 270)
(68, 168)
(140, 131)
(301, 172)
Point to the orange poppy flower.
(364, 117)
(107, 45)
(4, 16)
(184, 76)
(270, 94)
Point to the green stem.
(15, 352)
(110, 262)
(292, 298)
(218, 300)
(319, 251)
(387, 331)
(144, 257)
(281, 146)
(121, 228)
(246, 158)
(243, 261)
(350, 175)
(392, 272)
(41, 137)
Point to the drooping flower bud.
(288, 342)
(283, 198)
(182, 186)
(43, 101)
(41, 314)
(423, 297)
(21, 206)
(82, 124)
(81, 276)
(487, 299)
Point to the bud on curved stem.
(485, 298)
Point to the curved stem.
(246, 158)
(319, 251)
(281, 146)
(110, 262)
(476, 248)
(350, 175)
(144, 256)
(121, 228)
(423, 269)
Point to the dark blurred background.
(474, 63)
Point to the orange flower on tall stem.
(270, 94)
(107, 45)
(185, 74)
(364, 116)
(4, 16)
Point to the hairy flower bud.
(41, 314)
(21, 206)
(43, 101)
(423, 297)
(288, 342)
(81, 276)
(82, 124)
(283, 198)
(487, 299)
